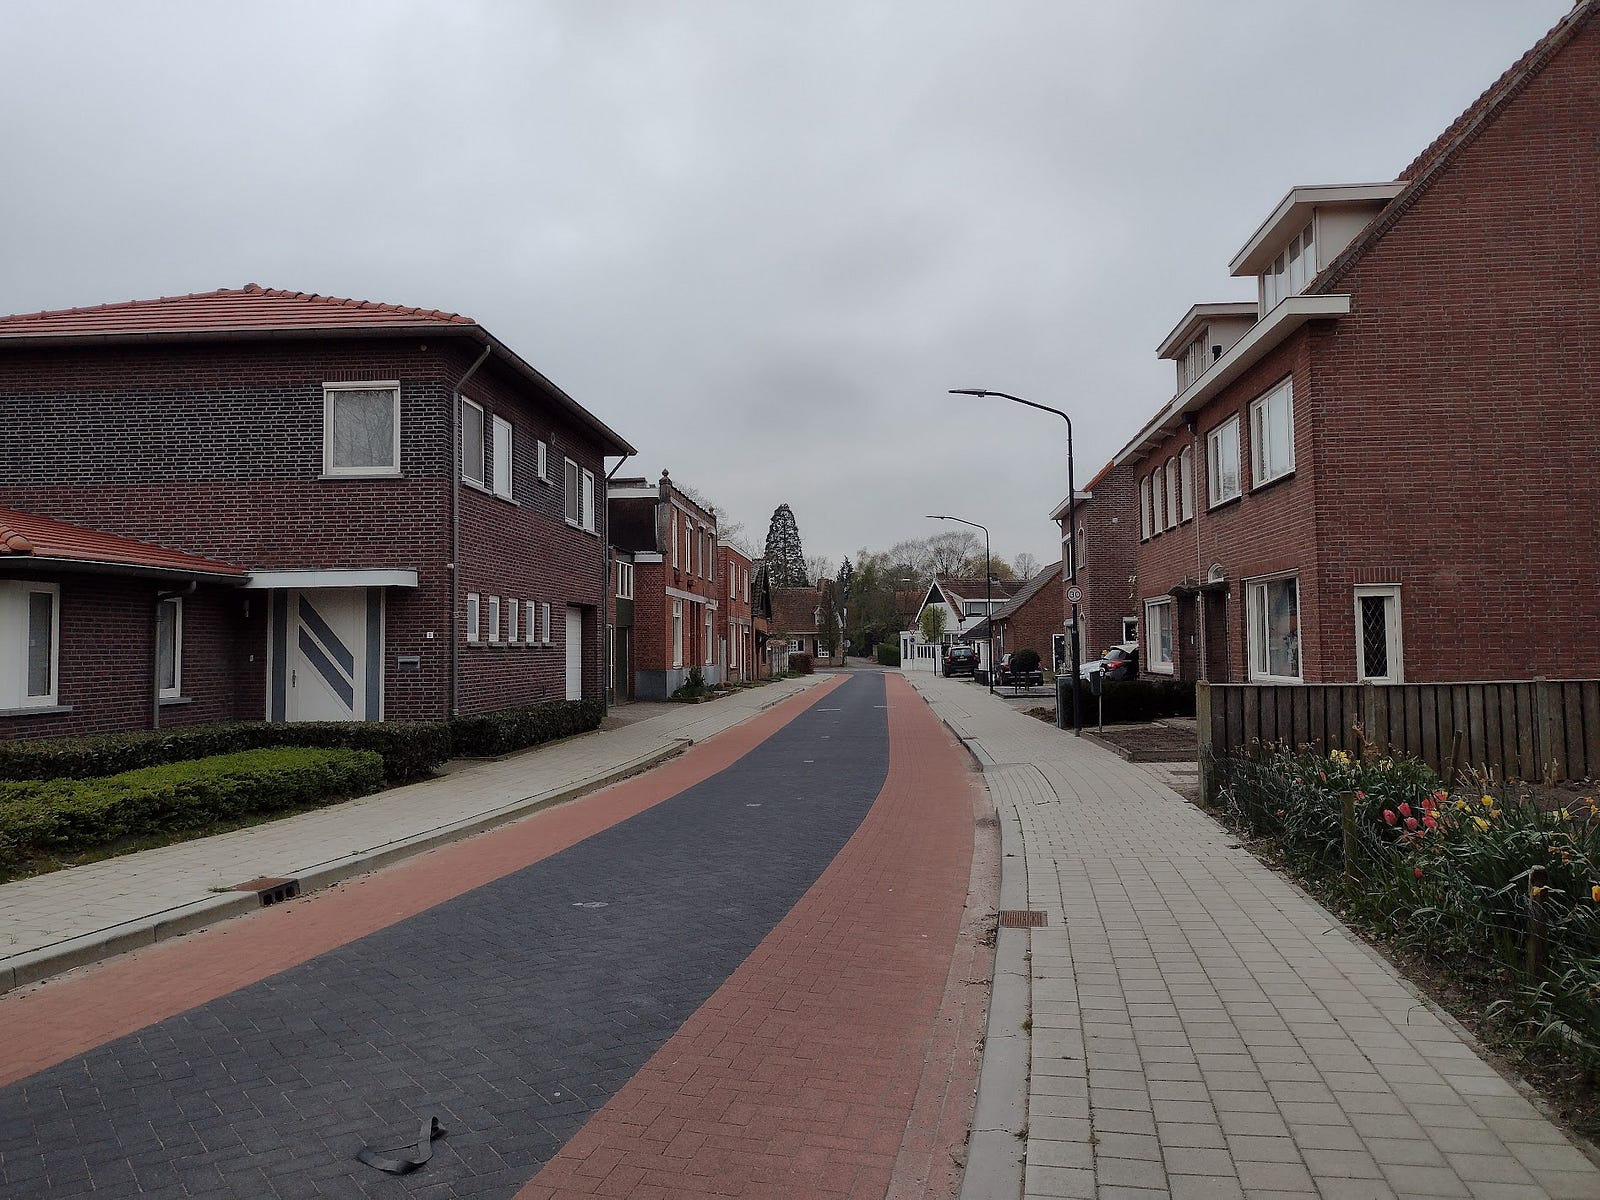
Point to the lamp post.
(988, 584)
(1072, 525)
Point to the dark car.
(960, 660)
(1007, 675)
(1119, 662)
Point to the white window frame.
(15, 615)
(513, 621)
(572, 495)
(176, 690)
(1130, 630)
(369, 472)
(1216, 495)
(1144, 510)
(1186, 481)
(474, 617)
(530, 626)
(733, 582)
(1395, 633)
(494, 620)
(710, 640)
(1265, 439)
(1256, 659)
(1171, 472)
(673, 538)
(467, 446)
(544, 462)
(1152, 625)
(677, 633)
(586, 502)
(624, 580)
(503, 464)
(544, 623)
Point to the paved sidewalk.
(1202, 1029)
(53, 922)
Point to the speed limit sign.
(1074, 595)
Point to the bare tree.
(951, 550)
(818, 567)
(1026, 565)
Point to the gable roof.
(253, 313)
(1438, 154)
(28, 540)
(794, 609)
(1035, 585)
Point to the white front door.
(326, 657)
(574, 652)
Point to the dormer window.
(1289, 273)
(1196, 358)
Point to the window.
(1144, 509)
(1158, 629)
(1186, 480)
(587, 519)
(624, 580)
(471, 442)
(733, 583)
(1290, 271)
(544, 462)
(361, 429)
(30, 634)
(169, 647)
(544, 624)
(674, 540)
(1272, 434)
(474, 631)
(1172, 493)
(502, 458)
(1082, 548)
(708, 635)
(677, 633)
(1378, 649)
(747, 585)
(494, 618)
(511, 621)
(573, 494)
(1196, 358)
(1273, 632)
(532, 631)
(700, 552)
(1130, 629)
(1223, 462)
(1155, 502)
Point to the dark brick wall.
(1032, 626)
(1110, 556)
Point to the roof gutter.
(452, 474)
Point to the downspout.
(155, 648)
(1201, 599)
(455, 532)
(605, 588)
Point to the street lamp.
(1072, 526)
(988, 584)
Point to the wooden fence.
(1540, 729)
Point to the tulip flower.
(1405, 809)
(1418, 871)
(1412, 823)
(1594, 893)
(1388, 815)
(1430, 822)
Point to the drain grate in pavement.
(1021, 918)
(271, 891)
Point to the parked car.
(960, 660)
(1119, 662)
(1025, 678)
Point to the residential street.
(734, 969)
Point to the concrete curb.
(35, 966)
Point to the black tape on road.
(421, 1152)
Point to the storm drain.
(271, 891)
(1021, 918)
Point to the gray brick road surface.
(511, 1012)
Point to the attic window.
(1290, 271)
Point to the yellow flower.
(1462, 804)
(1594, 893)
(1536, 892)
(1565, 815)
(1488, 801)
(1480, 823)
(1494, 812)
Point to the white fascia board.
(1078, 497)
(679, 594)
(648, 556)
(631, 493)
(1198, 316)
(1266, 336)
(338, 577)
(1294, 211)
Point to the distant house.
(386, 513)
(1030, 620)
(735, 621)
(1383, 468)
(669, 542)
(965, 602)
(1107, 547)
(797, 619)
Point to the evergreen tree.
(828, 630)
(846, 574)
(785, 558)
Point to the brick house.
(1383, 469)
(412, 502)
(797, 618)
(671, 542)
(1108, 542)
(735, 621)
(1030, 620)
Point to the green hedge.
(409, 749)
(61, 816)
(1140, 700)
(488, 734)
(888, 654)
(800, 664)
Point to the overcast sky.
(759, 239)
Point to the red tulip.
(1419, 872)
(1405, 809)
(1388, 815)
(1411, 823)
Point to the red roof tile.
(35, 537)
(225, 310)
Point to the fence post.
(1369, 711)
(1202, 725)
(1544, 749)
(1347, 822)
(1538, 923)
(1455, 758)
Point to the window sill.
(1159, 669)
(1257, 488)
(1220, 504)
(338, 475)
(1276, 679)
(38, 710)
(176, 700)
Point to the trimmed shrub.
(1132, 700)
(693, 687)
(409, 749)
(1024, 661)
(486, 735)
(800, 664)
(61, 816)
(888, 654)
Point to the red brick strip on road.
(75, 1013)
(846, 1043)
